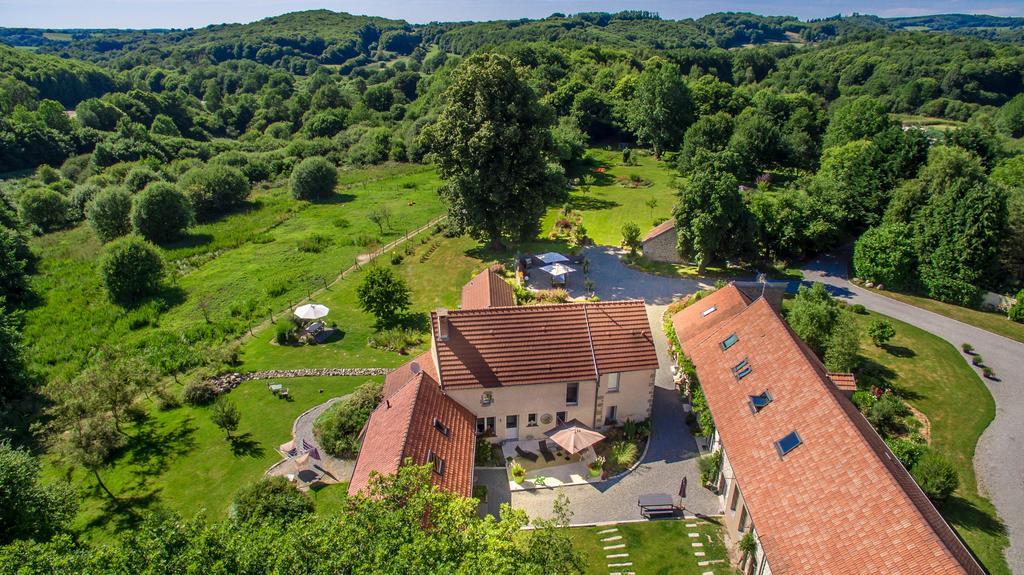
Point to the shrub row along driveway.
(997, 459)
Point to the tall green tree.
(13, 374)
(383, 294)
(711, 219)
(29, 508)
(661, 109)
(491, 142)
(859, 119)
(812, 315)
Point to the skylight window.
(708, 311)
(744, 371)
(438, 425)
(437, 464)
(788, 443)
(729, 342)
(758, 402)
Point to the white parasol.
(552, 258)
(558, 269)
(311, 311)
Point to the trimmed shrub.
(886, 255)
(881, 331)
(43, 209)
(270, 498)
(908, 451)
(198, 393)
(79, 200)
(936, 475)
(395, 339)
(1016, 311)
(313, 178)
(131, 268)
(284, 333)
(140, 177)
(109, 214)
(337, 429)
(214, 188)
(708, 466)
(160, 212)
(623, 453)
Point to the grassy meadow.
(661, 546)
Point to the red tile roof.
(487, 289)
(695, 319)
(402, 428)
(840, 502)
(659, 229)
(543, 344)
(844, 381)
(401, 375)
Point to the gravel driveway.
(999, 458)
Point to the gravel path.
(998, 458)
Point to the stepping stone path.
(615, 551)
(698, 545)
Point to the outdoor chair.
(283, 392)
(526, 454)
(545, 452)
(315, 328)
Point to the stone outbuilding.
(659, 244)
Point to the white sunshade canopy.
(574, 436)
(311, 311)
(552, 258)
(558, 269)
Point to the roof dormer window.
(759, 402)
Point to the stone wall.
(662, 248)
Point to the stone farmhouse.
(508, 372)
(802, 470)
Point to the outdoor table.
(653, 504)
(275, 387)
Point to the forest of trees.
(785, 136)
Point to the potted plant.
(596, 466)
(518, 472)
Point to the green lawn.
(937, 381)
(994, 322)
(435, 283)
(609, 203)
(179, 460)
(236, 268)
(661, 547)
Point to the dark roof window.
(788, 443)
(729, 342)
(436, 462)
(444, 429)
(742, 369)
(758, 402)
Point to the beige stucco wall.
(633, 399)
(662, 248)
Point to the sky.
(198, 13)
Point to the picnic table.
(656, 504)
(275, 387)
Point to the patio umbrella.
(311, 311)
(558, 269)
(574, 436)
(552, 258)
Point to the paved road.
(999, 458)
(672, 454)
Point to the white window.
(613, 382)
(708, 311)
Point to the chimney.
(443, 328)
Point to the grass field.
(937, 381)
(661, 547)
(994, 322)
(179, 460)
(237, 268)
(609, 203)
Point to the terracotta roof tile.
(844, 381)
(840, 502)
(543, 344)
(659, 229)
(487, 289)
(401, 375)
(699, 317)
(402, 427)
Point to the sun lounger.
(526, 454)
(545, 452)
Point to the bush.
(978, 360)
(337, 429)
(79, 200)
(396, 258)
(859, 309)
(631, 236)
(43, 209)
(160, 212)
(140, 177)
(881, 331)
(708, 466)
(131, 268)
(109, 214)
(518, 472)
(886, 255)
(198, 393)
(623, 453)
(968, 348)
(313, 178)
(213, 189)
(315, 243)
(270, 498)
(936, 475)
(284, 333)
(887, 413)
(395, 339)
(1016, 311)
(908, 451)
